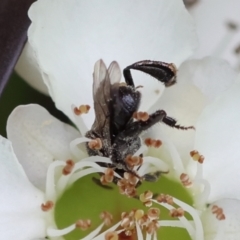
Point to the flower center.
(83, 203)
(87, 200)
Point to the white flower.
(42, 144)
(218, 28)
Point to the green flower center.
(87, 200)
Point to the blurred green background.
(18, 92)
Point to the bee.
(115, 104)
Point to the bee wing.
(114, 73)
(103, 79)
(101, 96)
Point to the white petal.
(198, 83)
(21, 217)
(228, 229)
(38, 139)
(28, 68)
(211, 75)
(70, 36)
(218, 138)
(215, 37)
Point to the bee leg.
(134, 129)
(163, 72)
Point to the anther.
(95, 144)
(179, 212)
(153, 213)
(111, 236)
(152, 227)
(133, 161)
(218, 212)
(144, 221)
(83, 224)
(196, 156)
(107, 177)
(127, 185)
(138, 214)
(47, 206)
(153, 143)
(106, 217)
(81, 110)
(185, 180)
(141, 116)
(69, 167)
(164, 198)
(130, 191)
(130, 178)
(146, 198)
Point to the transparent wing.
(101, 99)
(103, 80)
(114, 73)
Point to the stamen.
(184, 221)
(69, 167)
(106, 217)
(50, 180)
(138, 214)
(201, 200)
(141, 116)
(146, 198)
(107, 177)
(196, 156)
(152, 227)
(185, 180)
(176, 159)
(111, 236)
(76, 151)
(164, 198)
(133, 161)
(95, 144)
(157, 162)
(82, 173)
(153, 213)
(47, 206)
(133, 180)
(63, 180)
(139, 232)
(179, 212)
(193, 212)
(127, 185)
(153, 143)
(171, 223)
(83, 224)
(83, 109)
(218, 212)
(53, 232)
(79, 121)
(102, 235)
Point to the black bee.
(114, 105)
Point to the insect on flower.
(117, 125)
